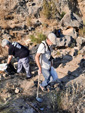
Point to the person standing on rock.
(44, 60)
(17, 50)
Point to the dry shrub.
(37, 38)
(3, 22)
(82, 31)
(49, 9)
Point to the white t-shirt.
(45, 55)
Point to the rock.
(21, 106)
(67, 57)
(82, 63)
(65, 41)
(7, 36)
(35, 11)
(31, 28)
(70, 32)
(69, 72)
(75, 75)
(71, 20)
(5, 75)
(37, 23)
(74, 92)
(82, 51)
(80, 42)
(39, 2)
(75, 52)
(8, 95)
(17, 90)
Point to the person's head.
(51, 39)
(5, 43)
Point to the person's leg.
(47, 76)
(19, 66)
(25, 62)
(54, 76)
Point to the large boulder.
(71, 32)
(35, 11)
(77, 6)
(65, 41)
(75, 94)
(71, 20)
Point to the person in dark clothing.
(17, 50)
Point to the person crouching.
(17, 50)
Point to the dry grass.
(3, 22)
(63, 99)
(37, 38)
(3, 51)
(49, 10)
(29, 21)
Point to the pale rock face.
(77, 6)
(71, 32)
(71, 20)
(64, 41)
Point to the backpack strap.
(46, 45)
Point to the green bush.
(38, 38)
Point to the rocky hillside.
(29, 22)
(20, 18)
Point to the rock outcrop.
(71, 20)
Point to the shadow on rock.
(73, 75)
(65, 59)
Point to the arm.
(9, 59)
(38, 62)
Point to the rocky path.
(17, 90)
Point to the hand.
(39, 71)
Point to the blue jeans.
(47, 76)
(24, 62)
